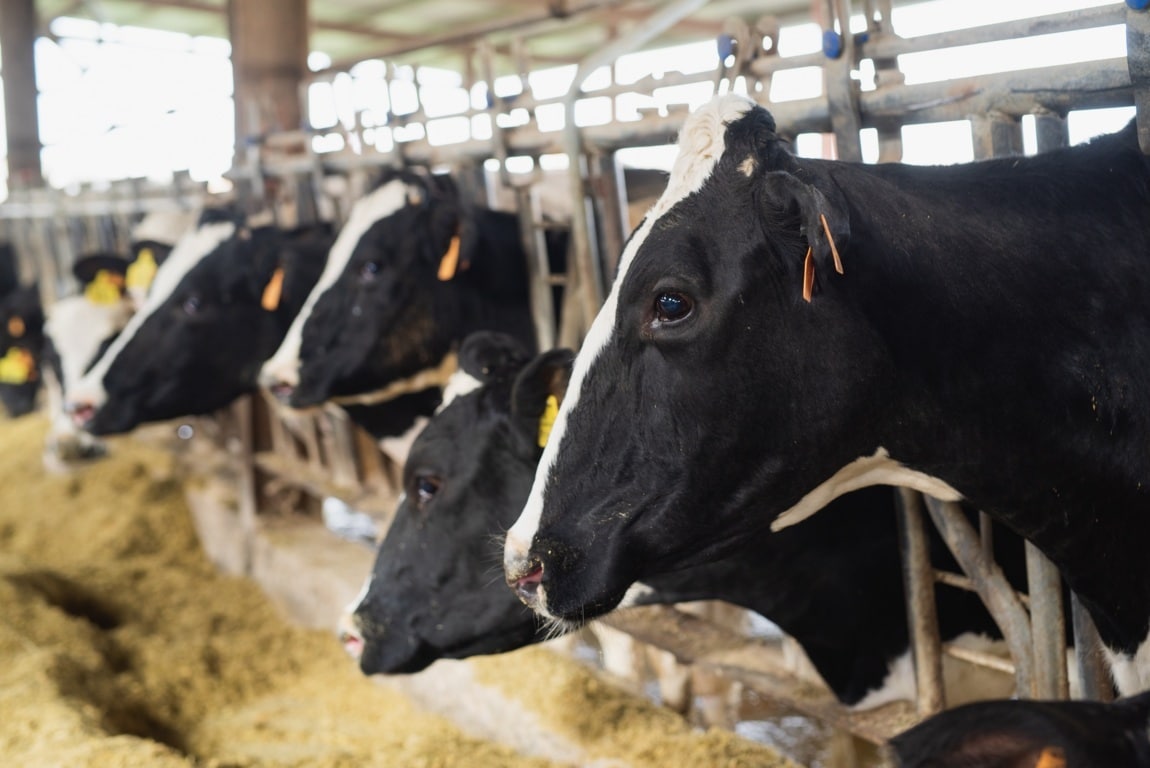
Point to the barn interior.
(176, 595)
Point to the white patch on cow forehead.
(701, 144)
(77, 327)
(460, 384)
(878, 469)
(378, 205)
(189, 251)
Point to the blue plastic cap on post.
(726, 46)
(832, 44)
(1138, 5)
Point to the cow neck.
(425, 379)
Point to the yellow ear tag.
(17, 367)
(450, 261)
(105, 288)
(547, 420)
(273, 292)
(16, 326)
(143, 270)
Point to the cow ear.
(265, 251)
(490, 355)
(538, 391)
(451, 235)
(87, 267)
(824, 220)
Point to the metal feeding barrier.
(322, 455)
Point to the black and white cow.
(77, 329)
(414, 269)
(219, 306)
(1031, 734)
(783, 331)
(834, 583)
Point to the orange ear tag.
(1051, 757)
(16, 326)
(273, 292)
(450, 261)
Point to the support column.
(269, 61)
(17, 60)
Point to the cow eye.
(671, 306)
(369, 270)
(192, 305)
(426, 486)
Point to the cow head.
(711, 326)
(435, 589)
(218, 307)
(386, 306)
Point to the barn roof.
(560, 31)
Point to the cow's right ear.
(538, 391)
(823, 220)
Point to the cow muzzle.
(351, 636)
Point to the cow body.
(1031, 734)
(833, 583)
(987, 339)
(412, 272)
(219, 306)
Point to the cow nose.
(526, 586)
(350, 636)
(281, 391)
(81, 412)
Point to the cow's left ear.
(264, 248)
(538, 391)
(824, 220)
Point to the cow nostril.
(81, 413)
(282, 391)
(527, 586)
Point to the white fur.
(878, 469)
(77, 327)
(1131, 672)
(283, 366)
(460, 383)
(701, 143)
(397, 448)
(189, 252)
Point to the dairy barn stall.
(198, 200)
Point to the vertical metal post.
(608, 188)
(247, 490)
(996, 592)
(17, 39)
(1093, 675)
(1047, 626)
(1050, 131)
(842, 91)
(922, 614)
(1138, 62)
(995, 135)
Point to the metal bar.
(955, 580)
(1093, 674)
(582, 259)
(922, 614)
(995, 135)
(1048, 626)
(980, 658)
(842, 91)
(1138, 61)
(17, 59)
(986, 535)
(1001, 601)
